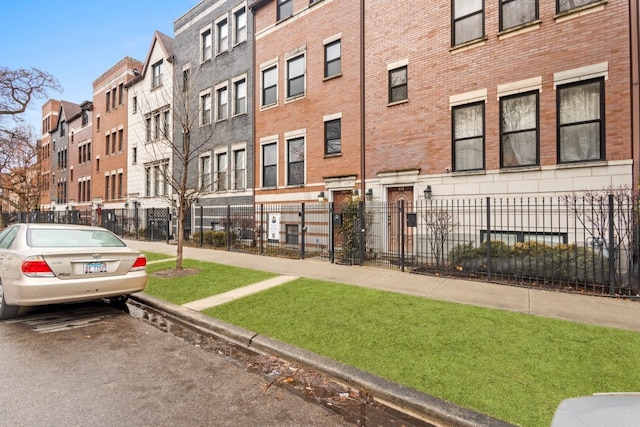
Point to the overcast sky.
(77, 41)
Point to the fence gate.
(157, 224)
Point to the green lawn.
(512, 366)
(211, 279)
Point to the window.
(165, 124)
(157, 180)
(239, 165)
(269, 165)
(107, 144)
(581, 121)
(332, 141)
(113, 99)
(398, 88)
(98, 124)
(134, 155)
(270, 86)
(240, 18)
(468, 137)
(519, 130)
(120, 139)
(63, 128)
(107, 186)
(205, 45)
(147, 181)
(332, 59)
(222, 32)
(221, 171)
(567, 5)
(134, 106)
(157, 74)
(108, 98)
(120, 184)
(156, 126)
(185, 80)
(85, 117)
(285, 9)
(517, 12)
(240, 97)
(113, 143)
(205, 173)
(147, 128)
(295, 161)
(205, 108)
(120, 93)
(165, 176)
(295, 76)
(291, 234)
(468, 20)
(221, 103)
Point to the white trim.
(468, 97)
(527, 85)
(398, 64)
(583, 73)
(330, 117)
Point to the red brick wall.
(418, 134)
(337, 95)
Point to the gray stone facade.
(214, 75)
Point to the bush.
(536, 260)
(213, 238)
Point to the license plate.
(95, 267)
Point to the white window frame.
(234, 167)
(235, 82)
(222, 40)
(299, 55)
(240, 32)
(204, 171)
(222, 110)
(263, 142)
(219, 184)
(263, 68)
(206, 49)
(201, 109)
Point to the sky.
(77, 41)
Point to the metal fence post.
(304, 232)
(331, 229)
(168, 210)
(488, 238)
(361, 226)
(201, 225)
(612, 248)
(261, 228)
(228, 227)
(401, 230)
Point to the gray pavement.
(615, 313)
(603, 311)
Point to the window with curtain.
(519, 130)
(468, 137)
(581, 121)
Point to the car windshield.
(71, 238)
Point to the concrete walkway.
(604, 311)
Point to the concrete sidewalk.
(604, 311)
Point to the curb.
(421, 405)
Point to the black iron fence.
(587, 244)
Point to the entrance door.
(396, 223)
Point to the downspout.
(634, 37)
(362, 103)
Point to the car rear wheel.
(6, 311)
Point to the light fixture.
(369, 194)
(321, 196)
(427, 192)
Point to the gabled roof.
(165, 43)
(68, 110)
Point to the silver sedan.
(57, 263)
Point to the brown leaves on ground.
(173, 273)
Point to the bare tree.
(19, 87)
(178, 129)
(439, 223)
(19, 168)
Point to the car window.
(72, 238)
(7, 236)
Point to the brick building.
(109, 145)
(60, 168)
(50, 110)
(499, 98)
(79, 157)
(308, 105)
